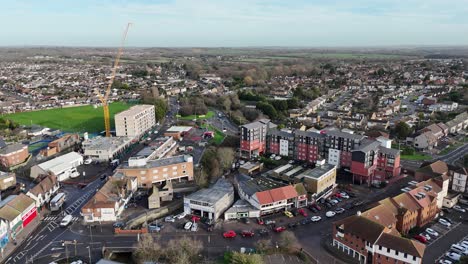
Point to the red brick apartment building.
(12, 155)
(253, 138)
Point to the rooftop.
(179, 129)
(12, 148)
(317, 172)
(60, 163)
(134, 110)
(163, 162)
(213, 194)
(105, 143)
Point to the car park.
(444, 222)
(279, 229)
(330, 214)
(420, 238)
(247, 233)
(339, 210)
(432, 232)
(229, 234)
(315, 218)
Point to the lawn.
(416, 157)
(72, 119)
(450, 148)
(218, 135)
(210, 114)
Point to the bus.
(57, 202)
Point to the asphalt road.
(455, 155)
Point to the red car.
(260, 221)
(195, 218)
(316, 206)
(247, 233)
(279, 229)
(420, 238)
(229, 234)
(338, 195)
(302, 212)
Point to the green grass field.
(416, 157)
(72, 119)
(210, 114)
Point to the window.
(142, 172)
(406, 255)
(388, 250)
(155, 171)
(165, 169)
(380, 247)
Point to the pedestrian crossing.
(58, 218)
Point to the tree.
(239, 258)
(463, 260)
(160, 108)
(263, 244)
(226, 157)
(147, 250)
(287, 240)
(183, 250)
(267, 109)
(248, 80)
(402, 130)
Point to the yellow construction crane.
(103, 98)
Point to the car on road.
(279, 229)
(339, 210)
(169, 219)
(315, 218)
(247, 233)
(229, 234)
(444, 222)
(118, 224)
(66, 221)
(302, 212)
(459, 208)
(420, 238)
(288, 214)
(432, 232)
(188, 225)
(330, 214)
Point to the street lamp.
(89, 252)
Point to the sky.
(237, 23)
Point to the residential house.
(13, 154)
(44, 191)
(7, 180)
(459, 123)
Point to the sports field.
(72, 119)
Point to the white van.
(66, 221)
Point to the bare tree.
(263, 244)
(147, 250)
(239, 258)
(287, 240)
(226, 157)
(183, 251)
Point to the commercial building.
(105, 148)
(371, 242)
(19, 211)
(7, 180)
(148, 172)
(44, 191)
(270, 196)
(62, 167)
(177, 132)
(319, 181)
(109, 202)
(159, 148)
(210, 202)
(254, 137)
(13, 154)
(135, 121)
(241, 209)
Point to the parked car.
(247, 233)
(344, 195)
(316, 206)
(229, 234)
(420, 238)
(432, 232)
(428, 237)
(459, 208)
(195, 218)
(313, 209)
(263, 232)
(444, 222)
(188, 225)
(118, 224)
(337, 195)
(279, 229)
(288, 214)
(330, 214)
(180, 216)
(315, 218)
(260, 221)
(334, 201)
(453, 256)
(88, 161)
(339, 210)
(302, 212)
(270, 222)
(245, 220)
(169, 219)
(155, 227)
(194, 227)
(292, 225)
(445, 261)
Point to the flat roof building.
(61, 166)
(105, 148)
(135, 121)
(210, 202)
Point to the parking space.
(450, 256)
(280, 259)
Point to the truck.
(57, 202)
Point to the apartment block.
(135, 121)
(148, 172)
(254, 137)
(13, 154)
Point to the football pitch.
(72, 119)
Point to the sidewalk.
(22, 237)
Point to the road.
(455, 154)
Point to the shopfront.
(29, 215)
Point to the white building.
(105, 148)
(210, 202)
(62, 167)
(135, 121)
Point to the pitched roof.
(9, 213)
(401, 244)
(362, 227)
(45, 185)
(382, 215)
(277, 194)
(404, 200)
(21, 202)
